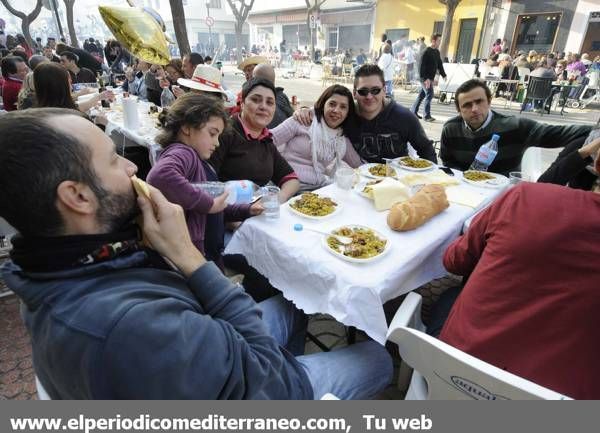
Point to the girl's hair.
(336, 89)
(52, 89)
(190, 109)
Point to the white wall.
(580, 24)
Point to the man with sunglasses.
(383, 127)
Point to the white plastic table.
(353, 293)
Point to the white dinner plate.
(337, 210)
(398, 163)
(387, 247)
(364, 171)
(499, 181)
(358, 188)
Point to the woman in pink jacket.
(316, 151)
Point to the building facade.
(411, 19)
(340, 25)
(545, 25)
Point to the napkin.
(464, 197)
(436, 177)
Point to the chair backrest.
(456, 74)
(594, 77)
(539, 88)
(455, 375)
(524, 74)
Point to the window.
(397, 34)
(214, 4)
(536, 32)
(438, 27)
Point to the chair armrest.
(408, 315)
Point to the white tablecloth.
(319, 282)
(143, 136)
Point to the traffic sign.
(210, 21)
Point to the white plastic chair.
(42, 394)
(524, 74)
(442, 372)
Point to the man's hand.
(257, 208)
(166, 229)
(427, 83)
(303, 116)
(590, 149)
(177, 91)
(219, 203)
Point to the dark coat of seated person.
(463, 135)
(574, 166)
(110, 319)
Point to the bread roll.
(420, 208)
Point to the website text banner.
(299, 416)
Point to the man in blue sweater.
(109, 318)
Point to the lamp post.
(208, 23)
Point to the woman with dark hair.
(174, 70)
(190, 130)
(315, 151)
(52, 85)
(247, 150)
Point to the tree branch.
(12, 10)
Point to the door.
(466, 36)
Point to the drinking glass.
(344, 177)
(270, 201)
(517, 176)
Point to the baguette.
(420, 208)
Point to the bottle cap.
(495, 137)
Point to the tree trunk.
(178, 15)
(70, 23)
(310, 35)
(25, 23)
(26, 19)
(238, 41)
(451, 6)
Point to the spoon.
(344, 240)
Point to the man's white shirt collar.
(485, 124)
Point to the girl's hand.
(257, 208)
(219, 203)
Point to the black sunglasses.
(373, 91)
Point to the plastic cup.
(270, 201)
(344, 178)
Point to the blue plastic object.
(298, 227)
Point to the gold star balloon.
(139, 30)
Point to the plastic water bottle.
(486, 154)
(240, 191)
(166, 98)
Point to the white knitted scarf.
(328, 147)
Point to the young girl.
(190, 134)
